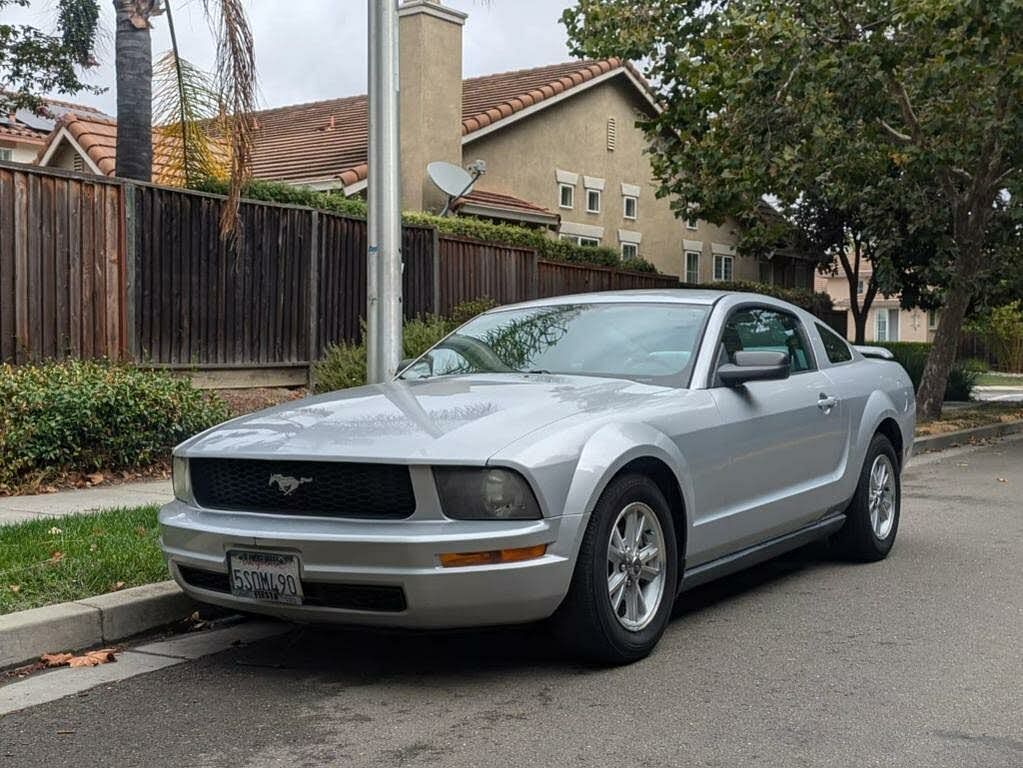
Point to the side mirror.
(755, 366)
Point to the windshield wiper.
(539, 371)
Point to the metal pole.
(384, 305)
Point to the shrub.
(815, 303)
(1002, 330)
(86, 416)
(912, 355)
(344, 365)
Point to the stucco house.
(886, 320)
(560, 143)
(23, 133)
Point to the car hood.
(459, 419)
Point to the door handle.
(826, 403)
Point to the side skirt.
(758, 553)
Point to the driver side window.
(765, 330)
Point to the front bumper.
(396, 554)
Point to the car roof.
(651, 295)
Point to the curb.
(949, 439)
(25, 635)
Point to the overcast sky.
(308, 50)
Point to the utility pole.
(384, 267)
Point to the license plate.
(265, 576)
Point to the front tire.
(872, 519)
(623, 588)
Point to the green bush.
(344, 365)
(478, 229)
(912, 355)
(815, 303)
(86, 416)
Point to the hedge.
(816, 303)
(912, 355)
(84, 416)
(506, 234)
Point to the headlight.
(180, 480)
(486, 493)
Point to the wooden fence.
(92, 267)
(61, 266)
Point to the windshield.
(648, 342)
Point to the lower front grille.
(349, 597)
(316, 488)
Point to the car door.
(780, 442)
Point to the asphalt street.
(915, 661)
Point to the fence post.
(534, 276)
(314, 294)
(436, 271)
(22, 342)
(129, 212)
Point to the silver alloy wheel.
(882, 497)
(635, 566)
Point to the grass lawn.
(70, 558)
(953, 419)
(995, 379)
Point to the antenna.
(453, 181)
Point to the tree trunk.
(931, 394)
(134, 67)
(860, 327)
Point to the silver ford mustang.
(583, 459)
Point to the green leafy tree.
(34, 62)
(762, 97)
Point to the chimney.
(430, 68)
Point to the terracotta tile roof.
(497, 202)
(28, 128)
(96, 134)
(327, 140)
(21, 134)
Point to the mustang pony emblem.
(288, 485)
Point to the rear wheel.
(623, 588)
(872, 519)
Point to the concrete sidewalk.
(15, 509)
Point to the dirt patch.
(968, 418)
(242, 401)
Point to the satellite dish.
(450, 179)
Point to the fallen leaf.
(57, 556)
(117, 585)
(56, 659)
(55, 531)
(15, 588)
(93, 658)
(95, 478)
(1002, 480)
(141, 530)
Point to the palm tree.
(133, 60)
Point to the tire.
(586, 622)
(864, 537)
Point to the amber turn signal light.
(494, 557)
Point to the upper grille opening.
(316, 488)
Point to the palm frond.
(236, 84)
(187, 112)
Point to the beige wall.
(912, 323)
(522, 160)
(20, 153)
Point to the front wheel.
(625, 578)
(872, 519)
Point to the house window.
(691, 224)
(692, 267)
(574, 239)
(589, 242)
(593, 201)
(566, 198)
(722, 267)
(861, 286)
(881, 325)
(6, 154)
(631, 207)
(932, 319)
(766, 273)
(630, 250)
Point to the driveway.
(801, 662)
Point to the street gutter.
(105, 619)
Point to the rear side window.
(834, 345)
(763, 330)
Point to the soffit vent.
(612, 134)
